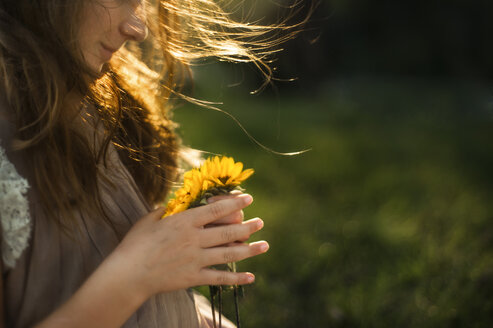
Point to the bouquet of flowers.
(216, 176)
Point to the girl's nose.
(134, 27)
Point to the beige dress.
(43, 267)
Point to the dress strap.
(14, 211)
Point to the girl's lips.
(107, 52)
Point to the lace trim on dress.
(14, 211)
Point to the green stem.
(237, 309)
(212, 292)
(219, 299)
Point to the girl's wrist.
(126, 278)
(107, 299)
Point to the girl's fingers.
(226, 234)
(234, 193)
(156, 214)
(235, 217)
(221, 255)
(217, 277)
(210, 213)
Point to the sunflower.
(216, 176)
(224, 172)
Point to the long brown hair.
(41, 69)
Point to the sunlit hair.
(41, 71)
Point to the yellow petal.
(236, 170)
(229, 166)
(245, 175)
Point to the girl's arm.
(106, 299)
(160, 256)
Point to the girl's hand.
(235, 217)
(176, 252)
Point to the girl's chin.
(95, 72)
(99, 69)
(95, 64)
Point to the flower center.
(224, 179)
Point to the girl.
(87, 150)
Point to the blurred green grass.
(386, 222)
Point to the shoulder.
(15, 221)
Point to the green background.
(386, 221)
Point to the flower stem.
(237, 309)
(220, 300)
(211, 292)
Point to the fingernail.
(250, 278)
(260, 224)
(264, 247)
(247, 199)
